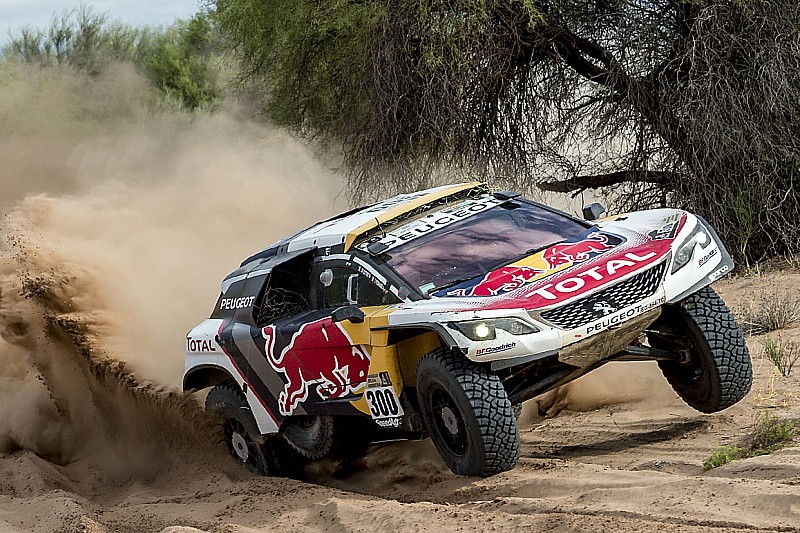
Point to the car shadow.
(626, 440)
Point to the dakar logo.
(320, 353)
(576, 252)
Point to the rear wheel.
(240, 431)
(468, 414)
(717, 371)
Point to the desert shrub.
(782, 354)
(768, 435)
(773, 310)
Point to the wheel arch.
(413, 342)
(204, 376)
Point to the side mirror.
(593, 211)
(348, 312)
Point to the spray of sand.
(119, 224)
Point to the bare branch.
(665, 179)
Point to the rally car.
(437, 312)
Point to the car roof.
(345, 229)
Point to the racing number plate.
(383, 403)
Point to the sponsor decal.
(495, 349)
(378, 380)
(567, 286)
(199, 345)
(322, 354)
(576, 252)
(667, 231)
(709, 255)
(551, 259)
(434, 221)
(236, 303)
(389, 422)
(613, 320)
(383, 403)
(714, 276)
(501, 280)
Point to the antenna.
(378, 222)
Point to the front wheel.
(468, 414)
(717, 372)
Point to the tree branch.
(574, 50)
(665, 179)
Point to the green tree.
(180, 61)
(692, 103)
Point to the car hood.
(615, 249)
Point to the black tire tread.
(726, 344)
(227, 400)
(492, 408)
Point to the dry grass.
(774, 309)
(783, 354)
(769, 434)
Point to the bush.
(178, 61)
(768, 435)
(782, 354)
(775, 309)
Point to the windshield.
(479, 244)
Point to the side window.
(285, 293)
(340, 286)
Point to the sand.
(90, 446)
(116, 233)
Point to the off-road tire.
(310, 436)
(719, 372)
(227, 402)
(456, 393)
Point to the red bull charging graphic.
(501, 280)
(569, 253)
(547, 262)
(320, 353)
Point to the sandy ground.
(117, 225)
(621, 453)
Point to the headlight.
(698, 236)
(485, 330)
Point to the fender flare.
(204, 376)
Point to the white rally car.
(439, 311)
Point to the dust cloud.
(119, 223)
(612, 384)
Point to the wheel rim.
(692, 369)
(239, 442)
(448, 421)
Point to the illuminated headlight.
(485, 330)
(698, 237)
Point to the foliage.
(694, 104)
(768, 435)
(775, 308)
(782, 354)
(178, 60)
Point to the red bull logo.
(501, 280)
(322, 354)
(576, 252)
